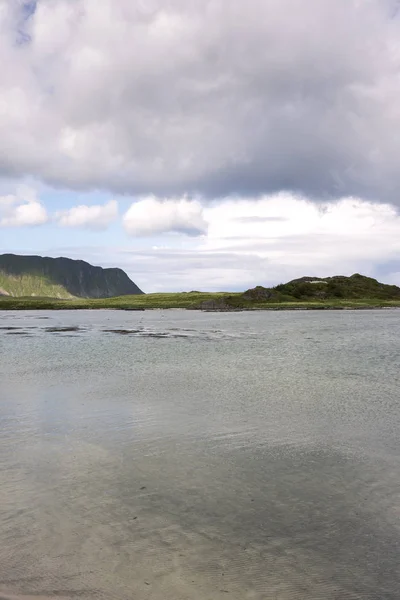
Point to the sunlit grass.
(186, 300)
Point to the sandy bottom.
(226, 465)
(290, 529)
(5, 596)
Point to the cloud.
(22, 209)
(254, 219)
(211, 98)
(332, 238)
(341, 238)
(96, 217)
(151, 216)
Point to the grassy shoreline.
(219, 302)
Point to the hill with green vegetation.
(63, 278)
(311, 293)
(355, 287)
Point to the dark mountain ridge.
(61, 277)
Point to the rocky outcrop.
(260, 293)
(220, 305)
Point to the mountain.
(61, 278)
(328, 288)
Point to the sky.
(203, 144)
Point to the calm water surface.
(177, 455)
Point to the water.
(177, 455)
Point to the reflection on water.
(178, 455)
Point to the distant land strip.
(215, 302)
(40, 283)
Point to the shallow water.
(179, 455)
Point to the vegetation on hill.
(356, 286)
(307, 293)
(61, 278)
(31, 285)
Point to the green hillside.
(355, 292)
(31, 285)
(356, 286)
(61, 278)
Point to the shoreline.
(285, 308)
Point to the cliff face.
(61, 278)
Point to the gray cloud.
(216, 98)
(388, 267)
(160, 270)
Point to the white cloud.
(97, 217)
(275, 239)
(290, 236)
(150, 216)
(264, 242)
(216, 97)
(22, 209)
